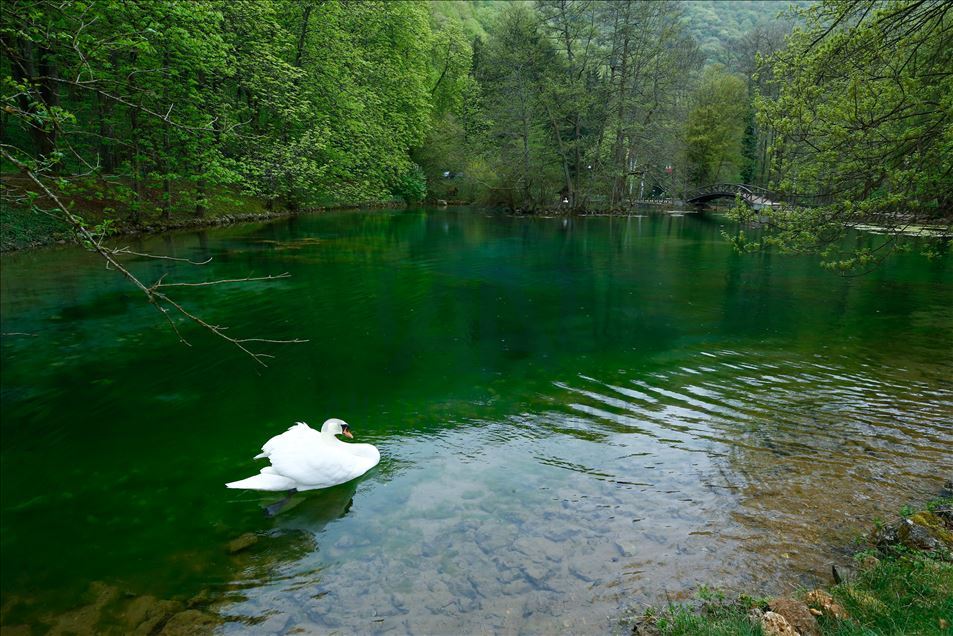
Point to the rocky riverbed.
(923, 538)
(112, 608)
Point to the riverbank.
(24, 228)
(901, 582)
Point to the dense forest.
(159, 107)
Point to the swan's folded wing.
(365, 451)
(316, 465)
(295, 436)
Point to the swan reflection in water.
(295, 523)
(313, 510)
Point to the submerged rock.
(243, 542)
(85, 619)
(190, 622)
(274, 624)
(797, 615)
(146, 614)
(111, 611)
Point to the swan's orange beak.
(347, 434)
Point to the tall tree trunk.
(50, 96)
(570, 186)
(166, 148)
(200, 200)
(303, 34)
(136, 166)
(25, 70)
(135, 134)
(527, 195)
(106, 154)
(618, 186)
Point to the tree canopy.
(863, 115)
(297, 102)
(156, 107)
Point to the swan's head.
(335, 426)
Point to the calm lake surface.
(575, 417)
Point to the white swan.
(304, 459)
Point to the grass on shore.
(903, 595)
(902, 592)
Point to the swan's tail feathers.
(261, 455)
(263, 481)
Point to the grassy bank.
(902, 585)
(23, 227)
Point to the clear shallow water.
(575, 417)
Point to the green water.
(574, 417)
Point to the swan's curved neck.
(329, 437)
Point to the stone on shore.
(773, 624)
(797, 615)
(923, 531)
(826, 604)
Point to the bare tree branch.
(156, 298)
(221, 282)
(125, 250)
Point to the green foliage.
(581, 102)
(567, 103)
(412, 185)
(718, 24)
(862, 114)
(23, 227)
(297, 102)
(716, 127)
(450, 58)
(474, 16)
